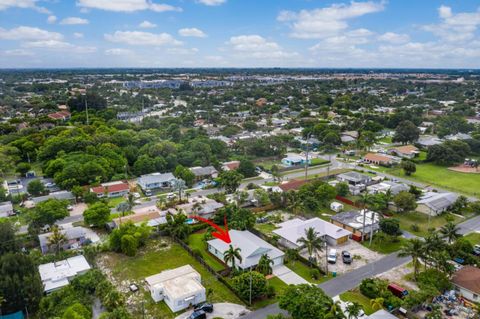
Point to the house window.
(475, 296)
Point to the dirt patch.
(465, 169)
(399, 276)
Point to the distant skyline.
(239, 33)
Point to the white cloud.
(328, 21)
(393, 37)
(147, 25)
(212, 2)
(118, 51)
(458, 27)
(51, 19)
(23, 4)
(126, 5)
(142, 38)
(18, 52)
(73, 21)
(255, 46)
(192, 32)
(59, 45)
(29, 33)
(78, 35)
(182, 51)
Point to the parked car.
(476, 250)
(136, 195)
(206, 306)
(346, 257)
(148, 192)
(200, 314)
(70, 207)
(332, 256)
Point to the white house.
(432, 203)
(251, 249)
(180, 288)
(295, 160)
(294, 229)
(467, 283)
(58, 274)
(155, 181)
(336, 207)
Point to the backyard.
(198, 245)
(159, 255)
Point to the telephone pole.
(306, 157)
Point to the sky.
(240, 33)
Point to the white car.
(136, 195)
(332, 256)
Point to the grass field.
(421, 220)
(195, 241)
(473, 238)
(356, 296)
(431, 174)
(156, 258)
(384, 247)
(265, 228)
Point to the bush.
(390, 226)
(314, 273)
(415, 228)
(433, 278)
(241, 285)
(373, 287)
(270, 291)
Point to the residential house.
(155, 181)
(458, 137)
(295, 160)
(251, 249)
(202, 173)
(349, 137)
(292, 185)
(58, 274)
(467, 282)
(60, 115)
(112, 189)
(425, 142)
(382, 314)
(60, 195)
(230, 166)
(380, 159)
(385, 186)
(150, 215)
(294, 229)
(405, 151)
(200, 205)
(6, 209)
(356, 182)
(432, 203)
(353, 222)
(76, 237)
(180, 288)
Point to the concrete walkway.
(288, 276)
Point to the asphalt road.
(343, 283)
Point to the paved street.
(470, 225)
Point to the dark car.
(207, 307)
(200, 314)
(346, 257)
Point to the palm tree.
(130, 201)
(294, 202)
(450, 232)
(177, 226)
(365, 199)
(230, 255)
(377, 303)
(178, 185)
(264, 265)
(415, 249)
(291, 255)
(312, 241)
(276, 173)
(335, 311)
(57, 238)
(353, 310)
(433, 246)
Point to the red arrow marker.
(221, 234)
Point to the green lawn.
(383, 247)
(442, 177)
(265, 228)
(318, 161)
(387, 139)
(473, 238)
(356, 296)
(158, 256)
(195, 241)
(421, 220)
(304, 271)
(113, 202)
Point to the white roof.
(294, 229)
(251, 246)
(438, 201)
(177, 283)
(57, 274)
(382, 314)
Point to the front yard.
(385, 246)
(356, 296)
(161, 254)
(473, 238)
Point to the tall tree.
(57, 239)
(415, 249)
(231, 254)
(406, 132)
(450, 231)
(312, 241)
(230, 180)
(264, 265)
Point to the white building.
(155, 181)
(294, 229)
(180, 288)
(251, 249)
(58, 274)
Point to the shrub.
(314, 273)
(433, 278)
(415, 228)
(241, 285)
(373, 287)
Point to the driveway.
(288, 276)
(221, 310)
